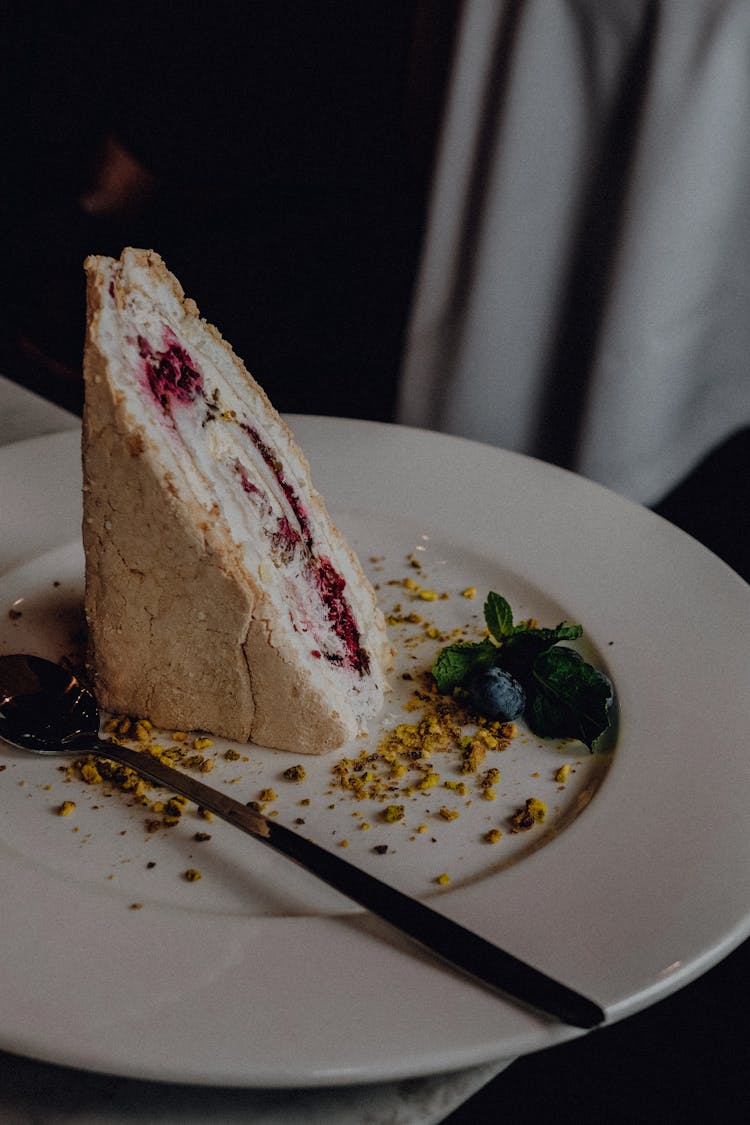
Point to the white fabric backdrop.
(584, 292)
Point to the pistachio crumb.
(533, 812)
(448, 814)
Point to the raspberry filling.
(330, 586)
(325, 580)
(171, 377)
(274, 464)
(170, 374)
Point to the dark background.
(285, 147)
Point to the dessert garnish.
(523, 669)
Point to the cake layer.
(219, 594)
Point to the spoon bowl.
(46, 709)
(43, 706)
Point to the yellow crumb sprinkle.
(428, 595)
(473, 755)
(232, 755)
(429, 781)
(392, 813)
(448, 814)
(90, 773)
(365, 826)
(469, 592)
(193, 761)
(533, 812)
(192, 875)
(66, 808)
(267, 795)
(537, 808)
(490, 777)
(421, 829)
(120, 725)
(294, 773)
(493, 836)
(563, 773)
(457, 787)
(202, 743)
(443, 880)
(343, 843)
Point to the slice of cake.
(219, 594)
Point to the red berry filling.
(330, 586)
(325, 580)
(171, 377)
(277, 469)
(170, 374)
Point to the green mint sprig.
(565, 696)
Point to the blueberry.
(497, 695)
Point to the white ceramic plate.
(257, 975)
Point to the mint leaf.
(569, 698)
(455, 663)
(521, 650)
(498, 616)
(562, 632)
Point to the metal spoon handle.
(454, 943)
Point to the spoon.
(47, 710)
